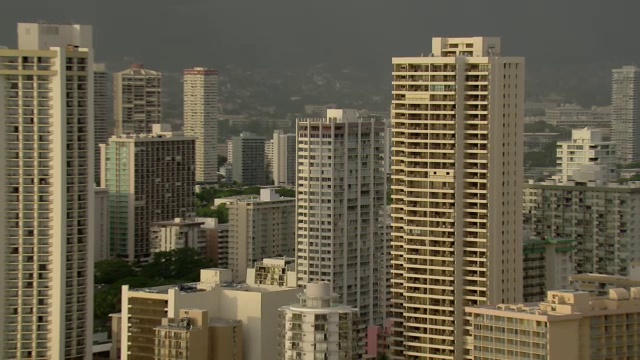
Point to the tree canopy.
(166, 267)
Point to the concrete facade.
(457, 171)
(102, 225)
(150, 178)
(568, 325)
(586, 149)
(248, 159)
(274, 271)
(548, 265)
(341, 193)
(178, 233)
(47, 193)
(319, 327)
(201, 116)
(256, 307)
(137, 99)
(260, 227)
(625, 113)
(600, 217)
(101, 112)
(284, 159)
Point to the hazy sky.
(173, 34)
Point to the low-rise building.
(144, 312)
(274, 271)
(318, 327)
(178, 233)
(568, 325)
(599, 285)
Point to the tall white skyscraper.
(137, 101)
(625, 113)
(340, 203)
(46, 176)
(201, 119)
(457, 175)
(284, 158)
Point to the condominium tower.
(625, 113)
(201, 119)
(137, 100)
(150, 178)
(249, 161)
(340, 203)
(457, 171)
(46, 176)
(284, 158)
(101, 112)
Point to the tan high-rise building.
(625, 113)
(137, 100)
(457, 171)
(150, 178)
(547, 265)
(100, 111)
(201, 119)
(341, 188)
(568, 325)
(260, 227)
(47, 198)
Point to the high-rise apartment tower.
(625, 113)
(457, 171)
(201, 119)
(340, 204)
(46, 177)
(101, 112)
(137, 100)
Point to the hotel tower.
(457, 117)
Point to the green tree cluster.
(166, 267)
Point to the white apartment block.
(319, 327)
(177, 234)
(341, 188)
(143, 311)
(137, 99)
(284, 159)
(47, 197)
(625, 113)
(101, 112)
(150, 177)
(457, 173)
(567, 325)
(201, 119)
(601, 217)
(260, 227)
(102, 225)
(585, 149)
